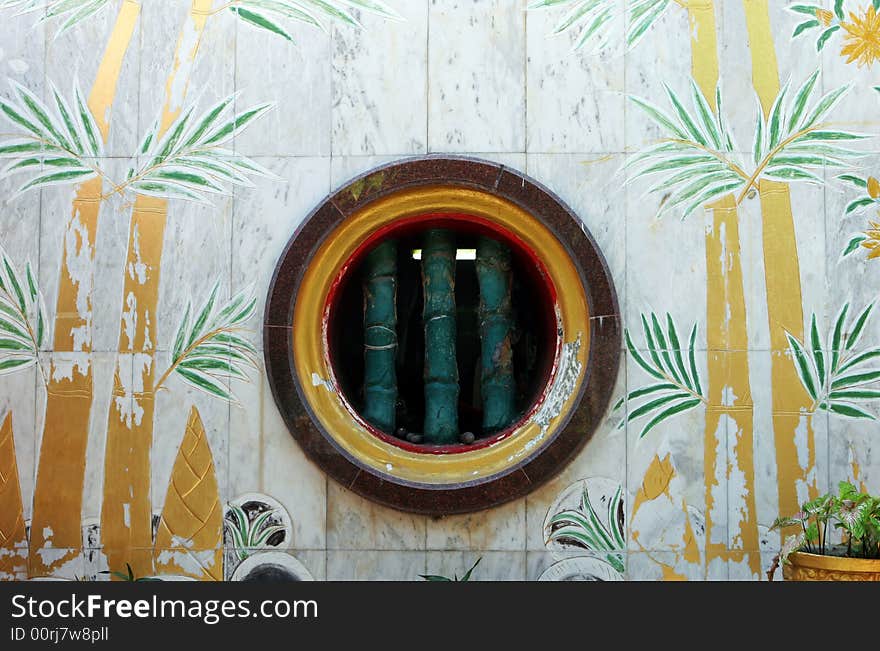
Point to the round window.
(441, 335)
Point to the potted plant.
(810, 555)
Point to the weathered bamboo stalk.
(13, 538)
(380, 336)
(126, 514)
(441, 366)
(790, 401)
(56, 528)
(730, 410)
(496, 332)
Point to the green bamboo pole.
(380, 336)
(496, 328)
(441, 367)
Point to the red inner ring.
(464, 223)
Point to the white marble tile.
(293, 480)
(246, 436)
(854, 454)
(669, 244)
(476, 76)
(265, 218)
(662, 56)
(23, 53)
(493, 565)
(196, 254)
(375, 112)
(172, 412)
(501, 528)
(592, 187)
(202, 81)
(375, 565)
(357, 523)
(575, 97)
(76, 55)
(295, 77)
(666, 566)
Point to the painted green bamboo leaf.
(793, 144)
(842, 377)
(267, 15)
(207, 351)
(190, 161)
(679, 389)
(22, 318)
(55, 144)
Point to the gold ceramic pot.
(813, 567)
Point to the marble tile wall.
(486, 78)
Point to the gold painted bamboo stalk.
(13, 538)
(61, 470)
(783, 280)
(126, 513)
(730, 410)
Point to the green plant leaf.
(258, 20)
(805, 373)
(804, 26)
(668, 413)
(816, 349)
(856, 333)
(849, 410)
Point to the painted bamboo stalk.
(380, 336)
(126, 513)
(496, 332)
(13, 535)
(441, 366)
(729, 415)
(790, 401)
(61, 470)
(189, 540)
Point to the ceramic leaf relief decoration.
(590, 515)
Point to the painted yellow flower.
(862, 40)
(872, 242)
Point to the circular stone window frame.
(298, 362)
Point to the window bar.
(380, 336)
(441, 366)
(496, 332)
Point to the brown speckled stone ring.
(568, 334)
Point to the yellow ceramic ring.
(314, 371)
